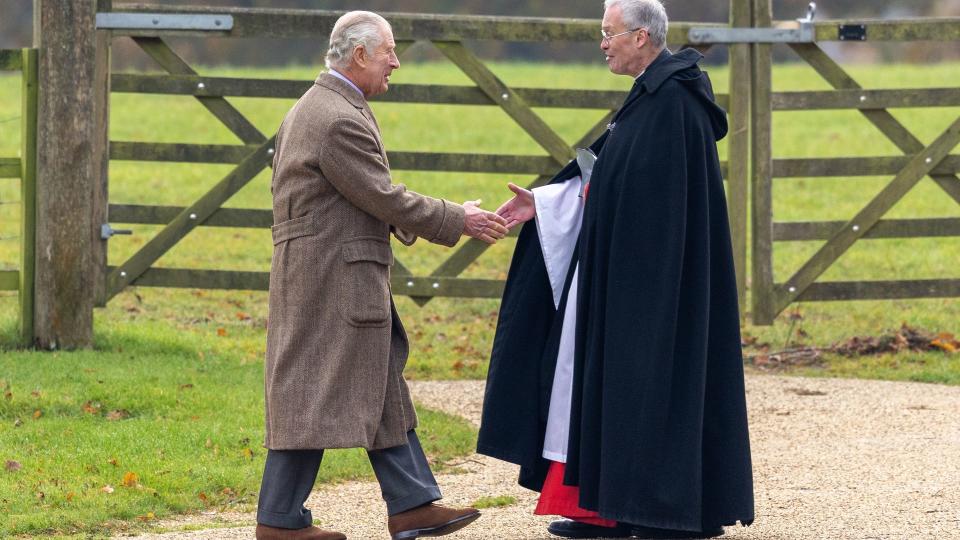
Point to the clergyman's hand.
(520, 208)
(482, 225)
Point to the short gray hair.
(647, 14)
(352, 29)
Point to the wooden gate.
(769, 296)
(446, 33)
(750, 103)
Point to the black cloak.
(658, 433)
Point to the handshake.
(492, 226)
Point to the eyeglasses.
(607, 37)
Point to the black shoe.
(662, 534)
(568, 528)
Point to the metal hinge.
(163, 21)
(804, 33)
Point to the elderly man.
(335, 346)
(616, 379)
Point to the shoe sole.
(619, 533)
(446, 528)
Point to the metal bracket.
(163, 21)
(106, 231)
(852, 32)
(804, 33)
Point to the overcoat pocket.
(365, 282)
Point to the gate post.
(64, 33)
(738, 147)
(762, 291)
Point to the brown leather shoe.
(429, 520)
(307, 533)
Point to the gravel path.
(833, 459)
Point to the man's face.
(623, 53)
(373, 70)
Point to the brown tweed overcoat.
(335, 346)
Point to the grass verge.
(155, 421)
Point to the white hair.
(354, 28)
(647, 14)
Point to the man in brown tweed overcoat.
(336, 348)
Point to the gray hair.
(647, 14)
(352, 29)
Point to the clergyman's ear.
(642, 37)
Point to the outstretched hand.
(482, 225)
(520, 208)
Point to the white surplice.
(559, 216)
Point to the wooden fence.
(24, 168)
(749, 168)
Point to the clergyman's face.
(374, 75)
(623, 53)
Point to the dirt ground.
(833, 459)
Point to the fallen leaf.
(209, 443)
(247, 453)
(91, 408)
(118, 414)
(221, 332)
(13, 466)
(41, 495)
(147, 517)
(37, 413)
(113, 462)
(18, 422)
(228, 492)
(130, 479)
(107, 489)
(186, 386)
(35, 393)
(203, 497)
(243, 316)
(70, 496)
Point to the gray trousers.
(288, 477)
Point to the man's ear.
(360, 55)
(642, 37)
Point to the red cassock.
(557, 499)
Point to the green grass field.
(153, 342)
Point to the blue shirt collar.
(343, 78)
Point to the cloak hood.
(683, 68)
